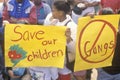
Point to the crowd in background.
(62, 13)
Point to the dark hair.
(62, 6)
(106, 11)
(1, 20)
(118, 11)
(77, 10)
(71, 2)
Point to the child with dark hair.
(106, 11)
(59, 11)
(60, 17)
(118, 11)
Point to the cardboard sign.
(96, 40)
(34, 45)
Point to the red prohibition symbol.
(87, 53)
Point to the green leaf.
(14, 61)
(15, 47)
(11, 48)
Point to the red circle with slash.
(83, 31)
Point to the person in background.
(90, 3)
(1, 51)
(113, 4)
(95, 4)
(118, 11)
(106, 11)
(84, 8)
(50, 2)
(42, 10)
(2, 67)
(20, 11)
(81, 10)
(3, 75)
(111, 72)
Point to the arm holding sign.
(71, 41)
(68, 35)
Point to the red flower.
(14, 55)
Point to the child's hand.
(68, 35)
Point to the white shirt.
(71, 25)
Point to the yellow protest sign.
(96, 40)
(34, 45)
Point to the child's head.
(60, 9)
(106, 11)
(118, 12)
